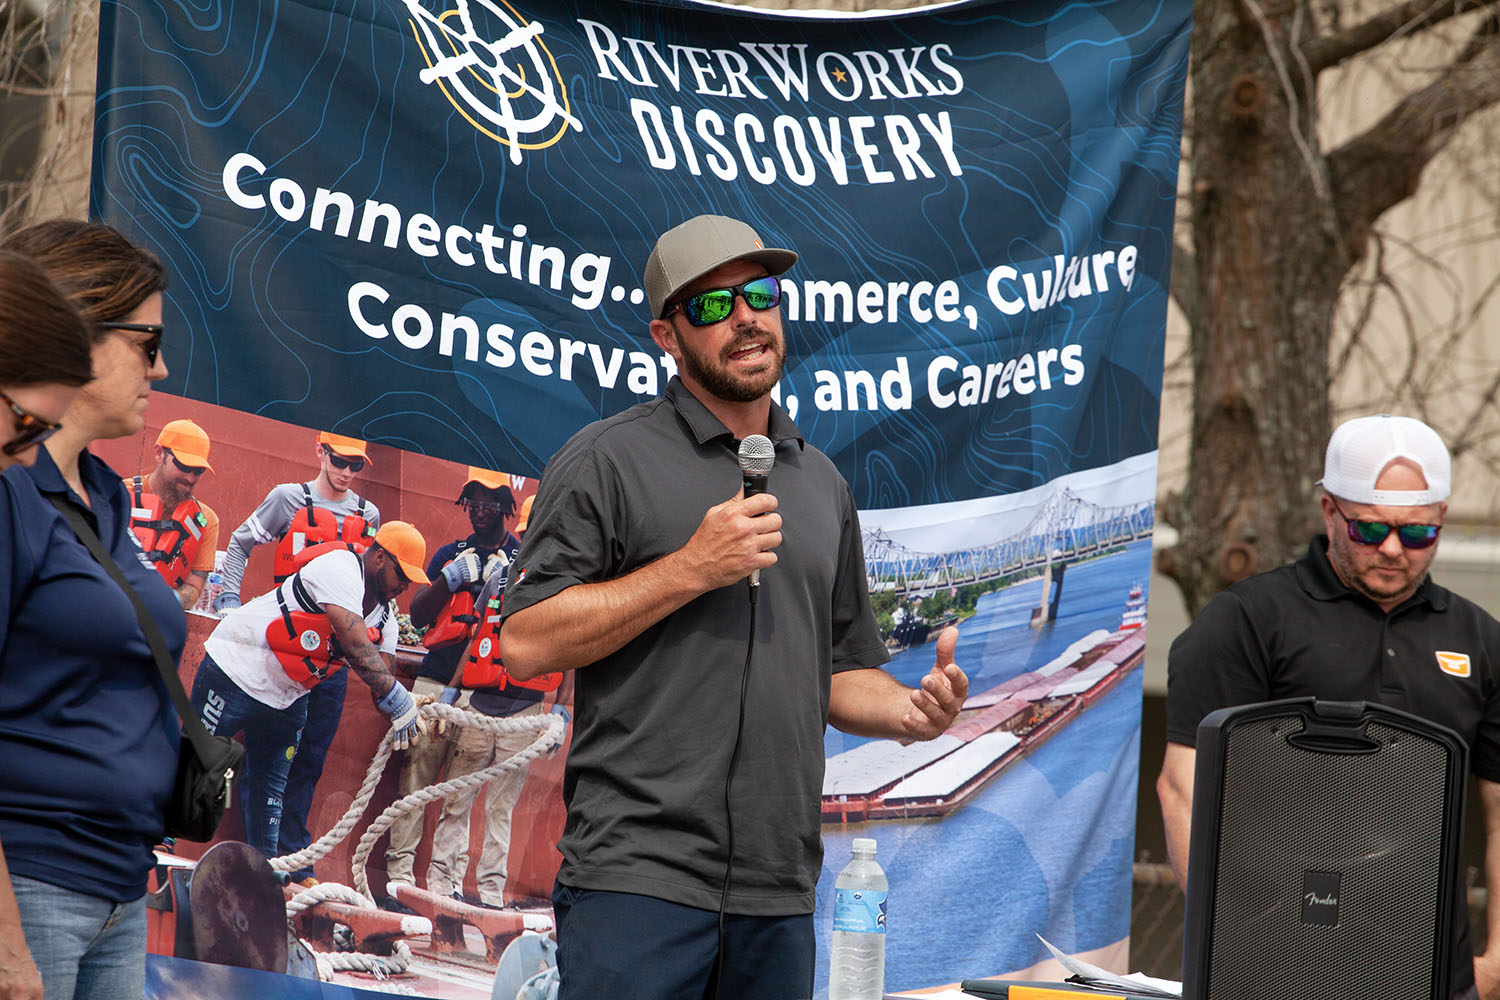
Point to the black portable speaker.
(1323, 856)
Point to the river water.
(1046, 847)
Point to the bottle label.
(861, 911)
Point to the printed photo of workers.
(338, 568)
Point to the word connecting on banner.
(380, 223)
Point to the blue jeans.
(325, 707)
(83, 946)
(618, 944)
(271, 736)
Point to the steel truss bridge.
(1066, 528)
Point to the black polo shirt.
(1298, 630)
(654, 722)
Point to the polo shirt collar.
(45, 473)
(705, 426)
(98, 479)
(1318, 579)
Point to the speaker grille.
(1369, 824)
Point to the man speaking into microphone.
(694, 779)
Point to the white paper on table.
(1092, 975)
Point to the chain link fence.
(1156, 919)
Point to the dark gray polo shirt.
(1298, 630)
(654, 723)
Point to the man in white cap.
(1355, 619)
(694, 777)
(178, 531)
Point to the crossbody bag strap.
(191, 724)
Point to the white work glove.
(227, 601)
(498, 562)
(398, 705)
(463, 570)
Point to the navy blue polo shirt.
(88, 735)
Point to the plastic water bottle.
(212, 588)
(857, 967)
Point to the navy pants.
(617, 944)
(270, 743)
(325, 708)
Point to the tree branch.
(1404, 19)
(1382, 166)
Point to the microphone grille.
(757, 455)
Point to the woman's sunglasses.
(715, 305)
(151, 346)
(31, 430)
(340, 462)
(1412, 536)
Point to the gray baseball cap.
(687, 252)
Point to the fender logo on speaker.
(1456, 664)
(1320, 898)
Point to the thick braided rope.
(549, 738)
(397, 962)
(326, 843)
(323, 892)
(550, 733)
(351, 961)
(376, 965)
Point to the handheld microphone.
(757, 455)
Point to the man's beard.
(716, 378)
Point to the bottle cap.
(864, 844)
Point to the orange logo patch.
(1456, 664)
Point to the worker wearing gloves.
(262, 660)
(448, 610)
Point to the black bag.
(201, 793)
(206, 763)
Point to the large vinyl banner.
(422, 224)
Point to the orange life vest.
(171, 541)
(312, 525)
(457, 621)
(303, 641)
(483, 669)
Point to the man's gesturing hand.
(937, 702)
(735, 537)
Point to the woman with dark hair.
(44, 358)
(88, 734)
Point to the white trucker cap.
(1361, 448)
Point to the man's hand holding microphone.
(735, 539)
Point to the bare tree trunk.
(1262, 309)
(1277, 227)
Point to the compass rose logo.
(494, 68)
